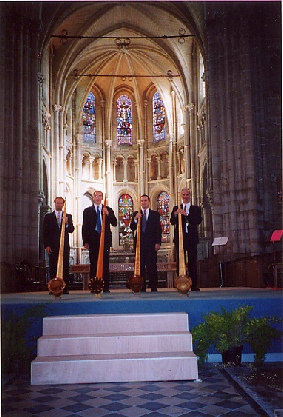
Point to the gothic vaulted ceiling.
(112, 43)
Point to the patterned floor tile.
(213, 395)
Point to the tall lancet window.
(89, 119)
(202, 77)
(159, 117)
(125, 207)
(124, 121)
(163, 210)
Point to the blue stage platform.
(265, 302)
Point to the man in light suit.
(52, 225)
(91, 229)
(191, 218)
(150, 241)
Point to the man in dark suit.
(92, 221)
(150, 241)
(52, 225)
(191, 218)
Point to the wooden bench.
(84, 269)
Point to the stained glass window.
(89, 119)
(159, 129)
(125, 208)
(124, 120)
(163, 209)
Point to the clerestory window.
(124, 121)
(89, 119)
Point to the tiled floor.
(213, 395)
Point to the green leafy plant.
(260, 334)
(229, 329)
(17, 348)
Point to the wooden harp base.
(56, 287)
(183, 284)
(96, 286)
(135, 283)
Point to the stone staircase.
(114, 348)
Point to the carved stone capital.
(45, 119)
(189, 107)
(57, 108)
(40, 78)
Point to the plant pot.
(232, 356)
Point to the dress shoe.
(153, 289)
(195, 289)
(105, 291)
(65, 291)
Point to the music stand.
(220, 241)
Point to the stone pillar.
(114, 165)
(78, 198)
(109, 180)
(158, 167)
(56, 153)
(190, 153)
(148, 165)
(100, 161)
(91, 159)
(19, 142)
(171, 172)
(125, 169)
(142, 168)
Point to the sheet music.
(220, 241)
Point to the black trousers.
(148, 267)
(190, 253)
(93, 257)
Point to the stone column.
(142, 167)
(78, 198)
(56, 153)
(158, 167)
(148, 165)
(100, 161)
(172, 172)
(109, 180)
(125, 169)
(91, 159)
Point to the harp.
(183, 282)
(136, 282)
(96, 283)
(56, 285)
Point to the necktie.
(58, 219)
(185, 209)
(98, 221)
(144, 221)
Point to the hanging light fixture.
(123, 43)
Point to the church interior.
(134, 98)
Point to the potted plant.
(227, 331)
(260, 334)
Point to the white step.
(119, 368)
(113, 343)
(112, 323)
(114, 348)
